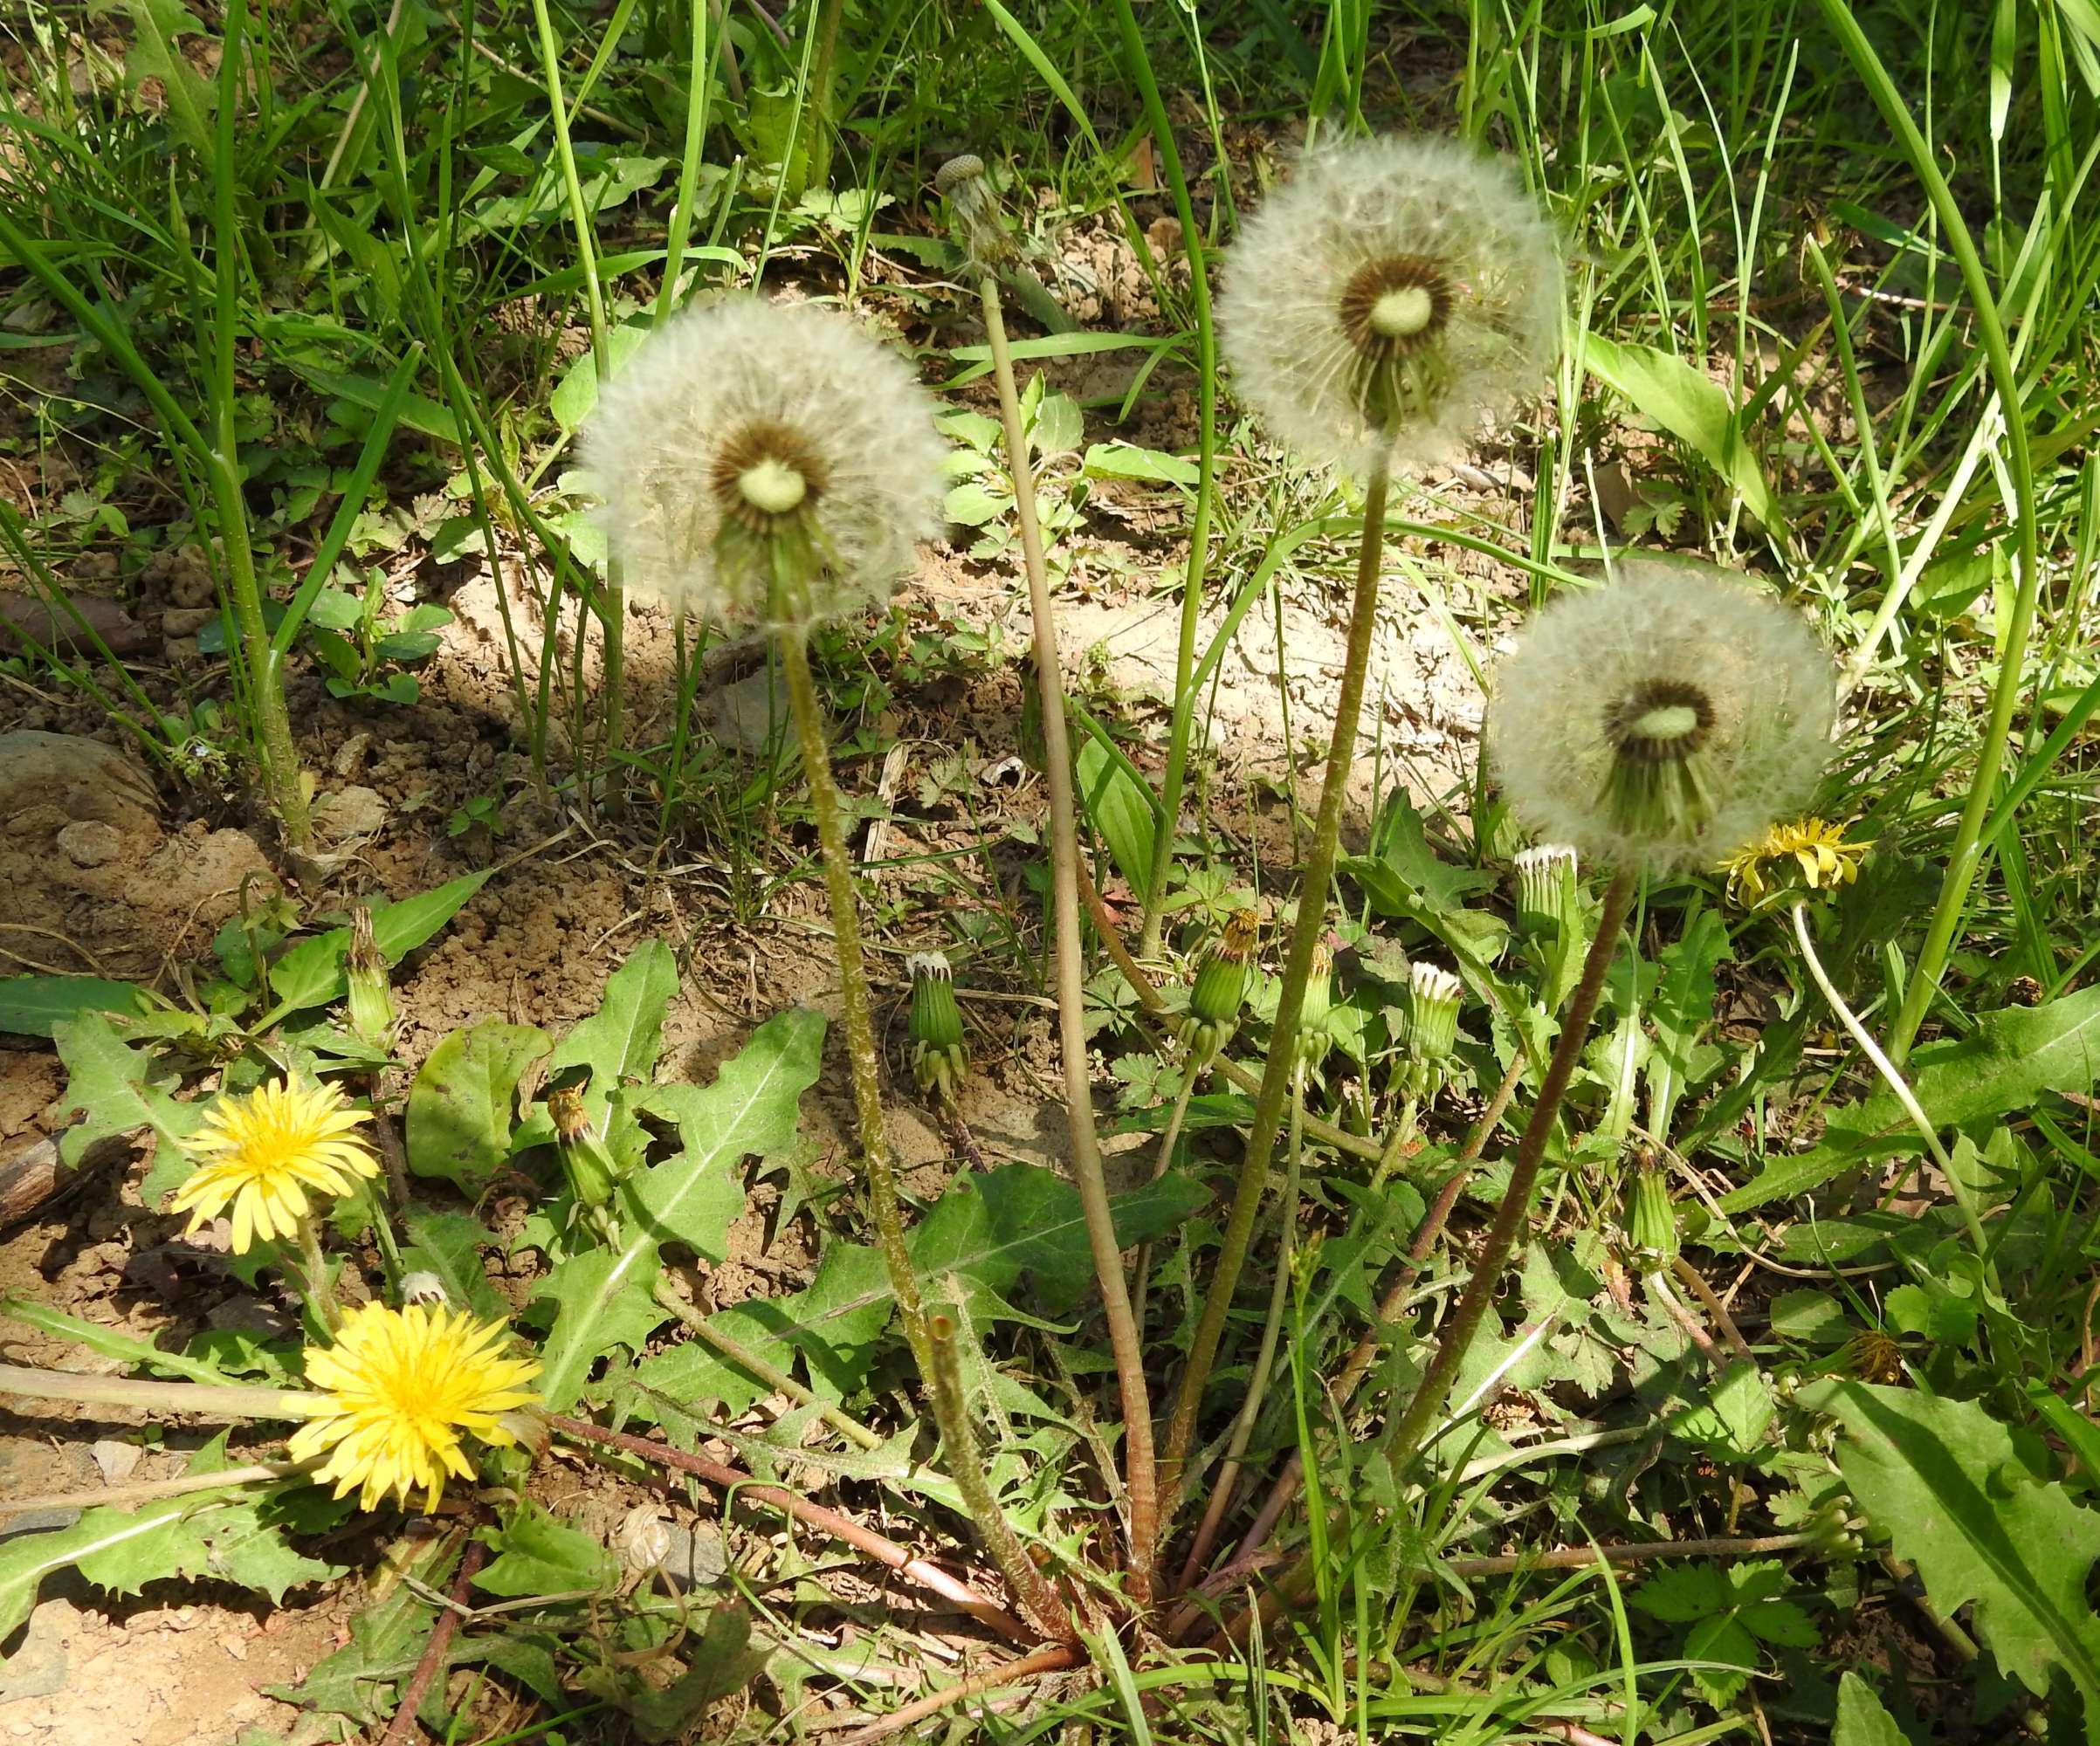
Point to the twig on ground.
(1056, 1658)
(403, 1728)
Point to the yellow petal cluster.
(262, 1153)
(1813, 848)
(400, 1390)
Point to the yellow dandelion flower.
(1815, 846)
(261, 1154)
(399, 1389)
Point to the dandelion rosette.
(1808, 852)
(766, 464)
(1663, 720)
(1396, 293)
(263, 1153)
(400, 1390)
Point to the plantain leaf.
(2013, 1056)
(602, 1298)
(1692, 408)
(1942, 1480)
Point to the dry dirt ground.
(122, 875)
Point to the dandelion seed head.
(747, 441)
(1395, 293)
(1663, 720)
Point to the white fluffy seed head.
(1395, 293)
(747, 435)
(1596, 659)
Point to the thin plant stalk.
(1185, 692)
(283, 788)
(1964, 856)
(612, 600)
(1140, 1480)
(1305, 931)
(1403, 1436)
(965, 1462)
(314, 1265)
(1892, 1076)
(1264, 1357)
(1141, 1272)
(862, 1056)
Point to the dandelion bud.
(1393, 294)
(588, 1165)
(940, 1058)
(974, 220)
(1662, 719)
(1220, 989)
(1433, 996)
(421, 1288)
(371, 1004)
(1314, 1039)
(1651, 1221)
(1546, 890)
(765, 464)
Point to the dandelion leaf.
(116, 1089)
(1942, 1480)
(461, 1106)
(602, 1298)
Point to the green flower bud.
(940, 1057)
(1432, 1012)
(371, 1005)
(1220, 989)
(1651, 1221)
(1545, 891)
(1314, 1039)
(588, 1166)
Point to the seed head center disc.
(1402, 312)
(1664, 721)
(772, 487)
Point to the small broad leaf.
(1680, 1593)
(1732, 1422)
(1816, 1318)
(1942, 1480)
(310, 974)
(461, 1106)
(1862, 1720)
(1118, 806)
(577, 392)
(30, 1006)
(1127, 461)
(1722, 1640)
(1692, 408)
(537, 1554)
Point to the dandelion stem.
(741, 1356)
(208, 1401)
(1892, 1076)
(1031, 1589)
(862, 1055)
(321, 1291)
(1404, 1435)
(1141, 1272)
(1305, 931)
(1264, 1357)
(1139, 1479)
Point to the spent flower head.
(1662, 719)
(1220, 989)
(1395, 293)
(400, 1390)
(766, 464)
(1806, 853)
(263, 1153)
(976, 220)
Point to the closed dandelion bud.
(1663, 720)
(588, 1166)
(975, 219)
(1651, 1219)
(1433, 996)
(371, 1003)
(1220, 989)
(1545, 891)
(940, 1057)
(1393, 295)
(765, 464)
(1314, 1039)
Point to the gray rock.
(89, 843)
